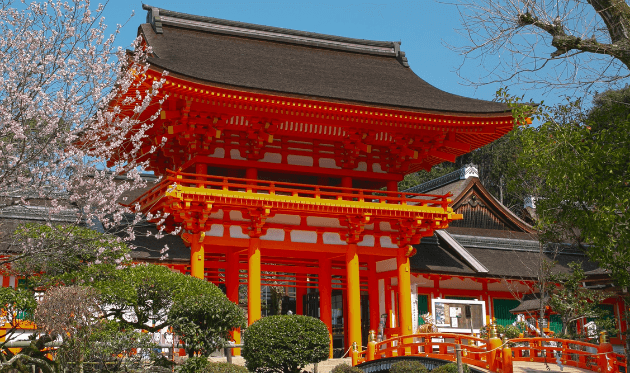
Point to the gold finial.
(493, 330)
(372, 336)
(603, 337)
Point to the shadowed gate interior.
(311, 308)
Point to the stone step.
(325, 366)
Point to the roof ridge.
(158, 17)
(463, 173)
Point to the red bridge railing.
(598, 358)
(498, 356)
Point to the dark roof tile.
(313, 69)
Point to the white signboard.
(459, 316)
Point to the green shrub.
(224, 368)
(408, 366)
(194, 365)
(450, 368)
(285, 343)
(510, 331)
(345, 368)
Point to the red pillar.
(300, 292)
(325, 297)
(373, 295)
(388, 301)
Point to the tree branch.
(613, 15)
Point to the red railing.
(316, 192)
(497, 356)
(568, 352)
(436, 345)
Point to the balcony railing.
(276, 188)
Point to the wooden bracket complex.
(356, 226)
(258, 216)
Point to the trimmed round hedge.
(408, 366)
(285, 343)
(450, 368)
(202, 365)
(345, 368)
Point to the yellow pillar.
(404, 291)
(354, 295)
(325, 298)
(231, 290)
(253, 281)
(197, 256)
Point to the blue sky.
(424, 27)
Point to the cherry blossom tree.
(70, 102)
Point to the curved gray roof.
(295, 62)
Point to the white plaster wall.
(317, 221)
(237, 232)
(368, 241)
(272, 158)
(273, 234)
(509, 286)
(386, 241)
(218, 153)
(300, 160)
(216, 230)
(386, 265)
(328, 163)
(285, 219)
(362, 166)
(236, 154)
(456, 283)
(236, 215)
(385, 226)
(332, 239)
(304, 236)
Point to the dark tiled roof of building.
(276, 60)
(147, 246)
(530, 302)
(433, 256)
(505, 260)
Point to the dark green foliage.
(204, 321)
(224, 368)
(408, 366)
(194, 365)
(87, 247)
(450, 368)
(345, 368)
(202, 365)
(509, 331)
(573, 302)
(285, 343)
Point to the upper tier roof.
(294, 62)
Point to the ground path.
(519, 366)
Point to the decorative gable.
(481, 210)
